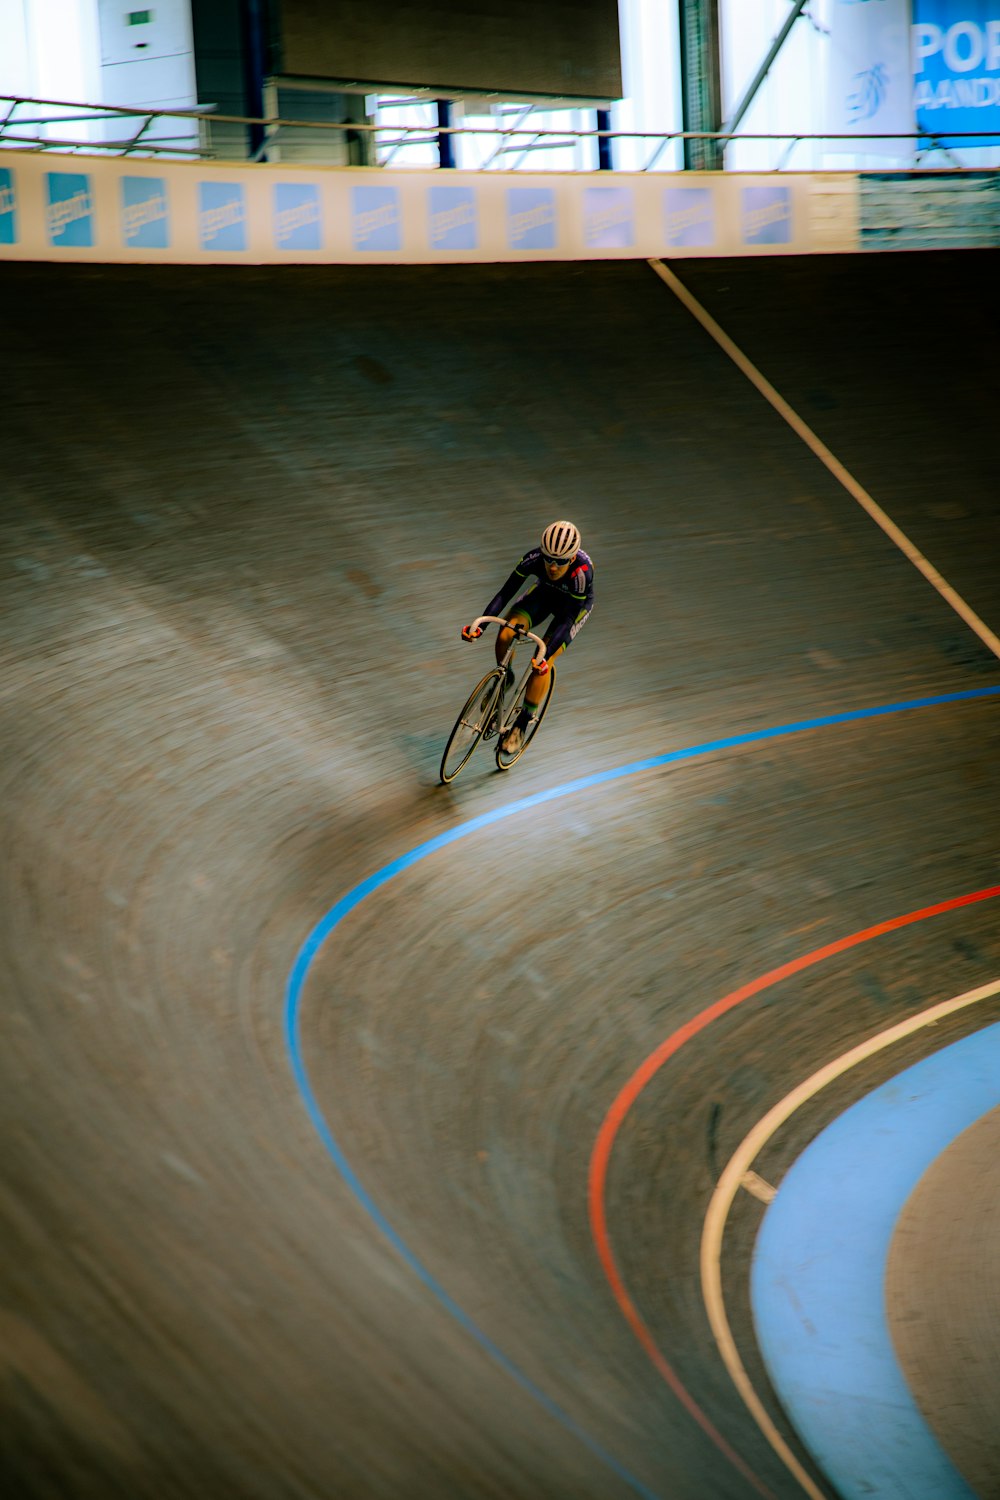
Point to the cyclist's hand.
(540, 667)
(470, 633)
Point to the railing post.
(605, 161)
(446, 142)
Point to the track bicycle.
(490, 710)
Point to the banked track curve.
(325, 928)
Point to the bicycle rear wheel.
(505, 761)
(470, 725)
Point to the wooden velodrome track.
(244, 515)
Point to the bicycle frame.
(483, 717)
(520, 634)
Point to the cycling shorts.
(539, 604)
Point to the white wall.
(54, 49)
(15, 64)
(151, 63)
(792, 96)
(651, 78)
(51, 51)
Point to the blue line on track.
(818, 1279)
(323, 929)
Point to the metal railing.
(30, 132)
(21, 132)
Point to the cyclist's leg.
(532, 706)
(538, 684)
(518, 616)
(534, 694)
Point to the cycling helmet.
(560, 542)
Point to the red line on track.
(615, 1117)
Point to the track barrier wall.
(98, 209)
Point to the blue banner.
(8, 207)
(453, 222)
(956, 69)
(376, 223)
(144, 213)
(690, 216)
(609, 218)
(531, 219)
(70, 209)
(298, 222)
(222, 216)
(766, 215)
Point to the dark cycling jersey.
(569, 600)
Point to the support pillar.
(254, 69)
(446, 142)
(605, 157)
(701, 81)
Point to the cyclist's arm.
(508, 590)
(582, 602)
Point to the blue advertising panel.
(222, 216)
(956, 69)
(609, 218)
(690, 216)
(376, 223)
(8, 208)
(531, 219)
(70, 211)
(298, 220)
(766, 215)
(453, 223)
(145, 225)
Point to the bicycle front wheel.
(471, 724)
(505, 761)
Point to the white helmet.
(560, 542)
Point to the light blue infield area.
(818, 1277)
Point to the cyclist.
(561, 585)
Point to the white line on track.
(734, 1176)
(756, 1185)
(988, 637)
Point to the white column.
(15, 63)
(65, 47)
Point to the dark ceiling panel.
(561, 48)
